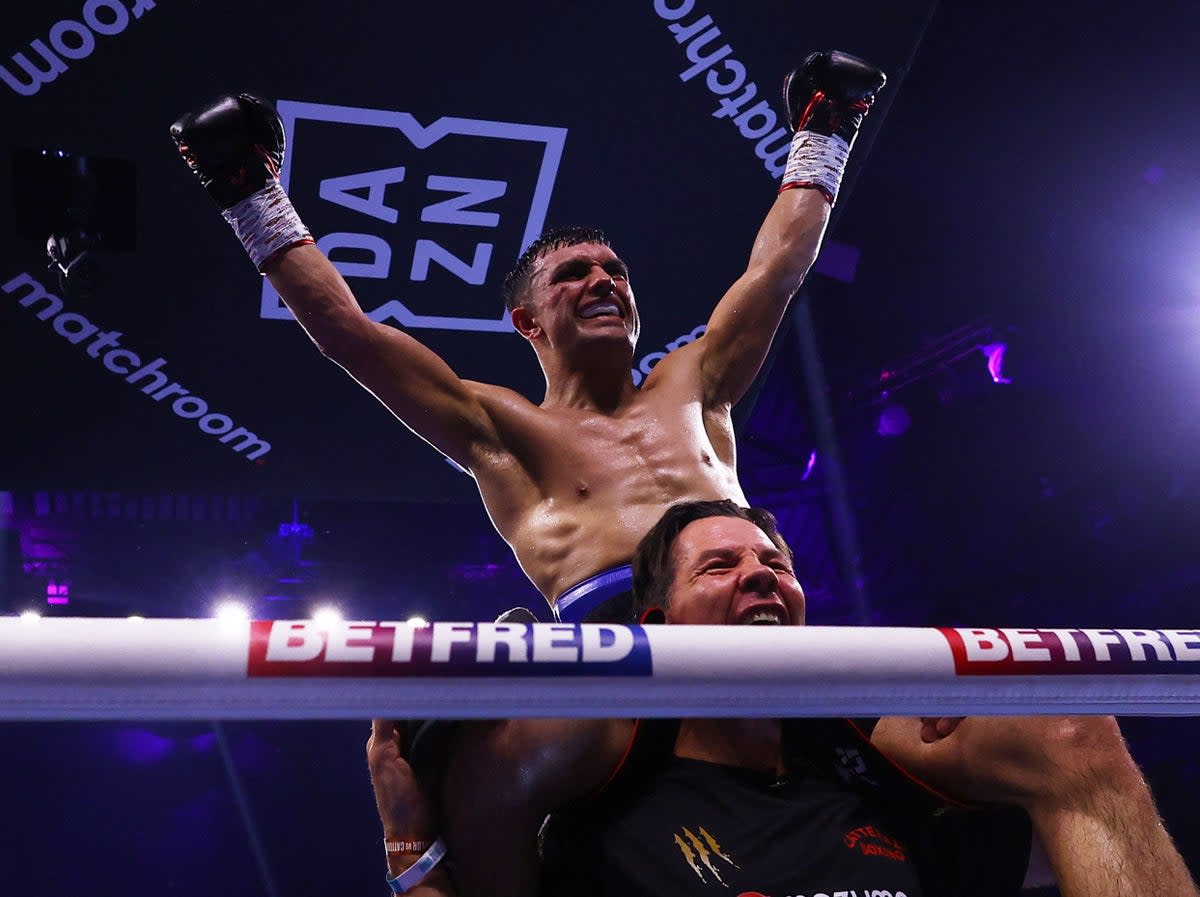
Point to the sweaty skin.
(601, 481)
(593, 471)
(572, 484)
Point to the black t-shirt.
(842, 823)
(701, 828)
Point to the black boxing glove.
(235, 146)
(826, 99)
(830, 93)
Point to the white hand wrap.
(816, 161)
(266, 222)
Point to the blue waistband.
(582, 598)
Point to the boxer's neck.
(599, 381)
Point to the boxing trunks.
(606, 597)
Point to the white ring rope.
(62, 669)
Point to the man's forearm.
(1110, 841)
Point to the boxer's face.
(728, 571)
(582, 293)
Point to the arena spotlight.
(231, 611)
(327, 615)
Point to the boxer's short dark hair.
(516, 282)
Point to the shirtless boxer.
(573, 483)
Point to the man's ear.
(653, 615)
(524, 323)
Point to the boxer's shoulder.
(499, 398)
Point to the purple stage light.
(58, 593)
(808, 468)
(293, 528)
(994, 353)
(894, 421)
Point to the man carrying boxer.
(571, 484)
(771, 807)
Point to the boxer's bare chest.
(577, 489)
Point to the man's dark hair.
(653, 564)
(516, 282)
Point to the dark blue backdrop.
(428, 144)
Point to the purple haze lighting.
(894, 420)
(477, 572)
(994, 353)
(1154, 174)
(201, 812)
(140, 746)
(839, 261)
(202, 742)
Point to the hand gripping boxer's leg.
(429, 740)
(826, 99)
(235, 146)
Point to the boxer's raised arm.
(235, 146)
(413, 382)
(826, 99)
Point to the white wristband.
(414, 874)
(816, 160)
(266, 222)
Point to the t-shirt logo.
(703, 854)
(852, 767)
(871, 842)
